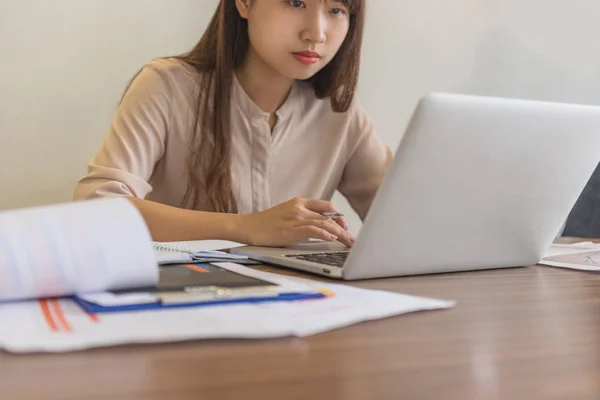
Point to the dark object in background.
(584, 219)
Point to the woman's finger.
(341, 221)
(348, 239)
(319, 206)
(330, 226)
(312, 232)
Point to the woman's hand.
(292, 222)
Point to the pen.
(332, 214)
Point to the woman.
(261, 111)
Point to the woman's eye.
(337, 11)
(297, 4)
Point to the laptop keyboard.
(335, 259)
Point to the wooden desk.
(524, 333)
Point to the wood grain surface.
(522, 333)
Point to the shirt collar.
(250, 108)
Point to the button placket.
(261, 143)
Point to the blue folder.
(97, 309)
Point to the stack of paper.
(584, 256)
(61, 325)
(92, 250)
(81, 247)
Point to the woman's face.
(295, 38)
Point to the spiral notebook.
(205, 251)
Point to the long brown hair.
(222, 48)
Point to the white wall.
(63, 67)
(65, 63)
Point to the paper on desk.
(109, 299)
(63, 326)
(74, 248)
(583, 256)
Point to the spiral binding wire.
(172, 247)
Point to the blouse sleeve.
(135, 142)
(366, 165)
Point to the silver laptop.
(476, 183)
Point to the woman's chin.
(302, 75)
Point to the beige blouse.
(311, 152)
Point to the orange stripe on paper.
(326, 292)
(60, 315)
(196, 268)
(47, 315)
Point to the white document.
(61, 325)
(584, 256)
(285, 284)
(79, 247)
(560, 249)
(109, 299)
